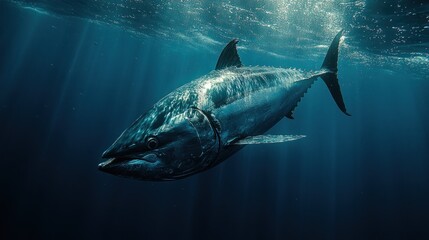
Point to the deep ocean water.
(74, 74)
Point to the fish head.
(161, 146)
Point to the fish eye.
(152, 142)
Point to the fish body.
(205, 121)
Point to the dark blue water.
(74, 74)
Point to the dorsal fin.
(229, 56)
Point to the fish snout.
(111, 152)
(105, 165)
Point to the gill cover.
(206, 133)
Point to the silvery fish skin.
(202, 123)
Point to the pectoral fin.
(260, 139)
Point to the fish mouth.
(122, 160)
